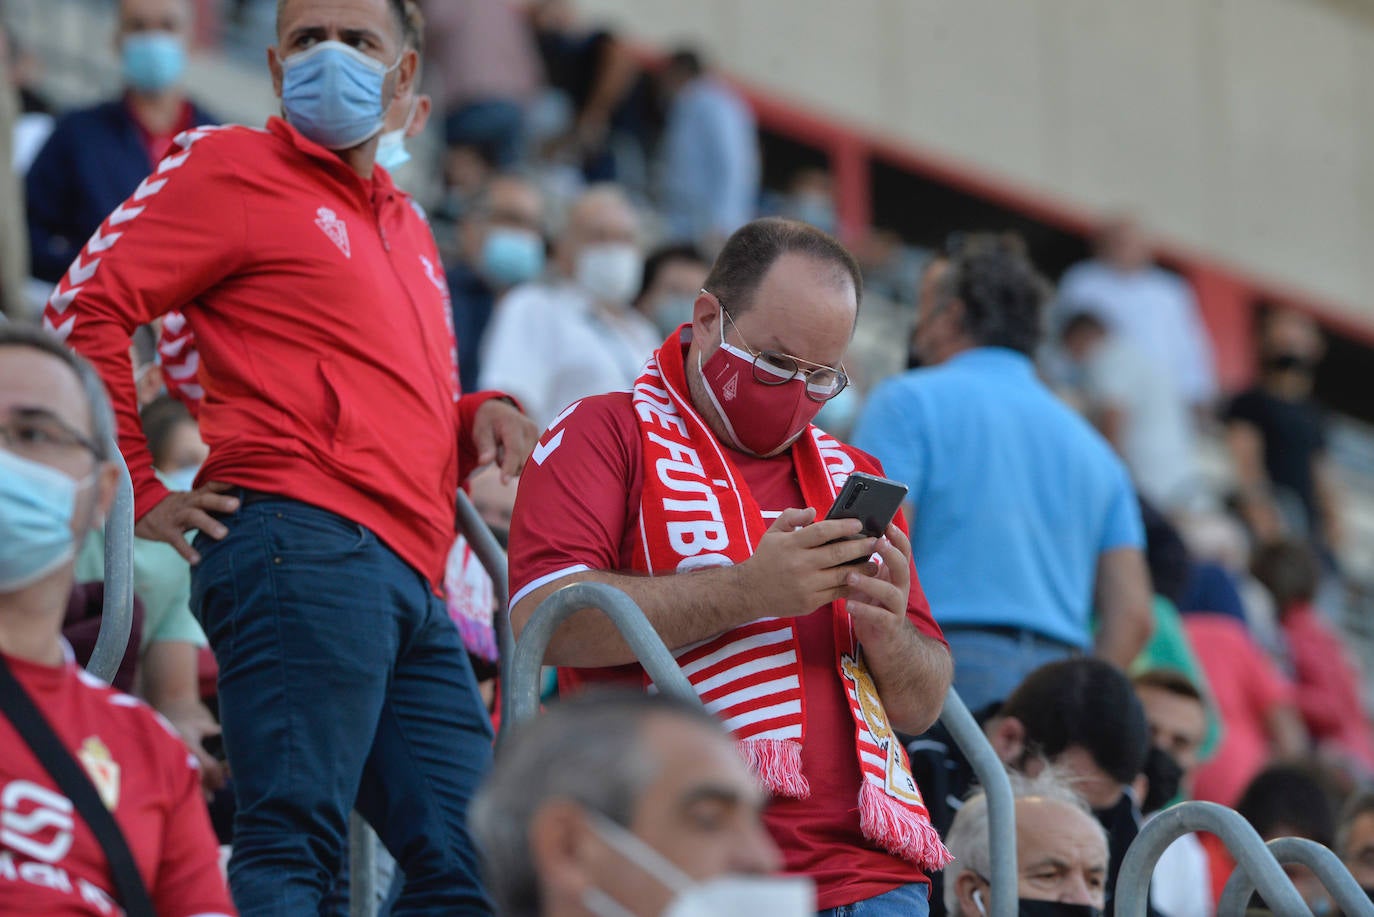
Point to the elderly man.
(1025, 521)
(577, 334)
(337, 440)
(97, 156)
(699, 495)
(1061, 853)
(57, 483)
(616, 804)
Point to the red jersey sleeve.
(180, 232)
(576, 494)
(189, 882)
(467, 416)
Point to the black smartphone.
(872, 500)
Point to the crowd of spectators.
(305, 361)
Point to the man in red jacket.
(337, 440)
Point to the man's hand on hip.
(503, 435)
(796, 569)
(181, 511)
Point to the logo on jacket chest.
(335, 228)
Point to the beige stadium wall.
(1240, 128)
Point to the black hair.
(661, 257)
(160, 418)
(1289, 569)
(1080, 322)
(686, 61)
(1290, 798)
(1170, 680)
(1002, 293)
(751, 250)
(1085, 702)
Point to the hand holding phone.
(872, 500)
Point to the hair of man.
(586, 750)
(753, 248)
(1002, 294)
(1085, 702)
(97, 401)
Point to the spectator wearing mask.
(673, 275)
(1177, 716)
(1061, 853)
(1326, 674)
(501, 245)
(337, 441)
(96, 157)
(577, 333)
(486, 74)
(1079, 717)
(406, 117)
(57, 482)
(1024, 520)
(1144, 305)
(710, 477)
(171, 640)
(710, 153)
(1135, 406)
(612, 805)
(1277, 439)
(1355, 839)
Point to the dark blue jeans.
(342, 684)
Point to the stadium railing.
(117, 612)
(1330, 871)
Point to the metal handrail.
(493, 559)
(992, 774)
(1243, 842)
(1329, 869)
(117, 612)
(522, 681)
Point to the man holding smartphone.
(698, 494)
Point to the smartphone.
(872, 500)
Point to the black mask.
(1027, 908)
(1288, 362)
(1164, 775)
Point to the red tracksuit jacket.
(322, 324)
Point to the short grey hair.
(967, 839)
(585, 750)
(97, 401)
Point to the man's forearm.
(912, 674)
(1123, 635)
(682, 609)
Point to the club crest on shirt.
(104, 772)
(335, 228)
(731, 387)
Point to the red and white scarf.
(696, 511)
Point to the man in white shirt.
(1135, 406)
(1147, 306)
(576, 334)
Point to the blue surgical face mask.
(36, 507)
(511, 256)
(153, 61)
(182, 478)
(332, 94)
(391, 146)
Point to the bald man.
(576, 334)
(97, 156)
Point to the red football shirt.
(50, 862)
(577, 510)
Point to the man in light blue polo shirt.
(1023, 520)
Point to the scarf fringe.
(900, 830)
(777, 762)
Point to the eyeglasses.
(772, 367)
(39, 435)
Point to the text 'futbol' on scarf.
(696, 512)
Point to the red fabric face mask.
(759, 419)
